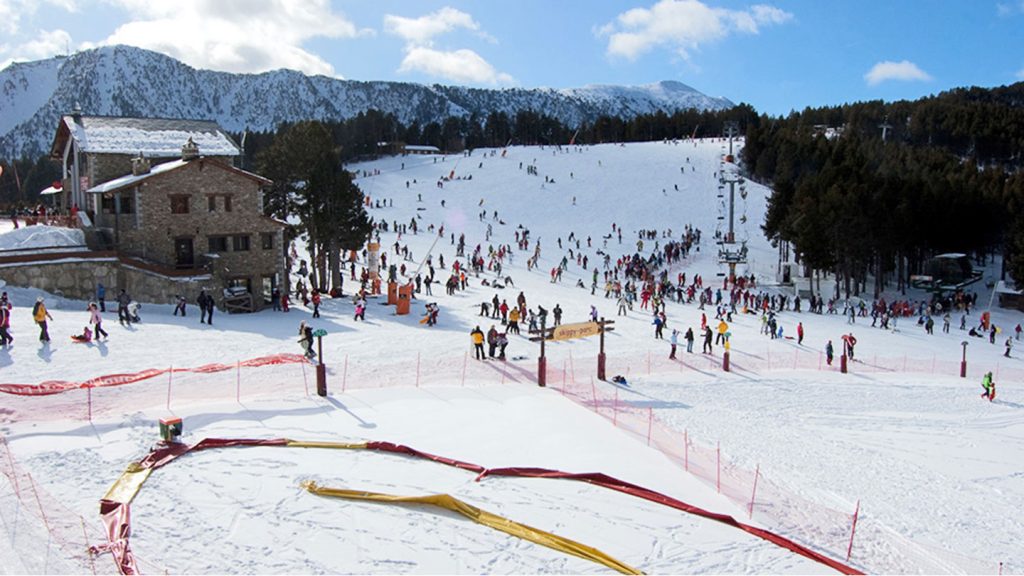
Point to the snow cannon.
(170, 429)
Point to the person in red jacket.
(800, 333)
(316, 303)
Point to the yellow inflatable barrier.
(475, 514)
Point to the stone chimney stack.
(190, 151)
(140, 165)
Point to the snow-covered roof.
(29, 237)
(419, 148)
(153, 137)
(51, 190)
(132, 179)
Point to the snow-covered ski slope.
(932, 465)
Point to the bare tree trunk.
(334, 258)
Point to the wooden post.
(601, 375)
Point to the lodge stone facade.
(195, 214)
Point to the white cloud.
(421, 31)
(12, 12)
(1020, 74)
(235, 35)
(1010, 9)
(903, 70)
(462, 65)
(459, 66)
(682, 26)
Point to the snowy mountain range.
(128, 81)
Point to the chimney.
(140, 165)
(76, 112)
(190, 151)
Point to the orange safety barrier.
(49, 387)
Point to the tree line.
(946, 178)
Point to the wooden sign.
(578, 330)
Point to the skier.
(659, 325)
(707, 340)
(673, 340)
(492, 341)
(990, 387)
(689, 340)
(502, 344)
(40, 314)
(829, 353)
(477, 336)
(800, 333)
(557, 312)
(1009, 345)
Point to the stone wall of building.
(78, 278)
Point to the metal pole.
(542, 362)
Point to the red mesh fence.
(875, 547)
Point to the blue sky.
(776, 55)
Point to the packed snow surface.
(935, 468)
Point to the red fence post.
(238, 381)
(593, 392)
(853, 530)
(718, 466)
(686, 450)
(89, 392)
(344, 375)
(615, 408)
(40, 503)
(14, 473)
(753, 494)
(650, 423)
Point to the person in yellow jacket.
(722, 329)
(477, 336)
(513, 321)
(40, 314)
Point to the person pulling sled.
(990, 387)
